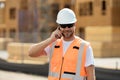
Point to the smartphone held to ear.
(58, 28)
(58, 36)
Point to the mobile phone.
(58, 28)
(58, 37)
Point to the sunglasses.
(66, 25)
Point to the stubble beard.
(68, 34)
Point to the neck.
(69, 39)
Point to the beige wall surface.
(116, 16)
(12, 4)
(2, 0)
(104, 40)
(19, 51)
(96, 19)
(2, 16)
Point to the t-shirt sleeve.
(89, 57)
(47, 50)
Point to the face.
(67, 30)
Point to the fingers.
(58, 28)
(56, 34)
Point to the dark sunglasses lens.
(66, 25)
(63, 26)
(70, 25)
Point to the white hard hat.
(66, 16)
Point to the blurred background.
(25, 22)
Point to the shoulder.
(87, 43)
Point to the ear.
(75, 25)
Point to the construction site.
(25, 22)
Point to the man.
(71, 58)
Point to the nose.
(67, 28)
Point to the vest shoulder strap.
(52, 47)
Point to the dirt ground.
(7, 75)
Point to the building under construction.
(33, 20)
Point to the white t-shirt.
(89, 54)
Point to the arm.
(38, 49)
(90, 69)
(90, 72)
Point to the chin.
(68, 36)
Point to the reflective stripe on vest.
(50, 56)
(78, 67)
(77, 75)
(82, 46)
(54, 74)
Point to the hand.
(56, 34)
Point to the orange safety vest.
(71, 66)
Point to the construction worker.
(70, 57)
